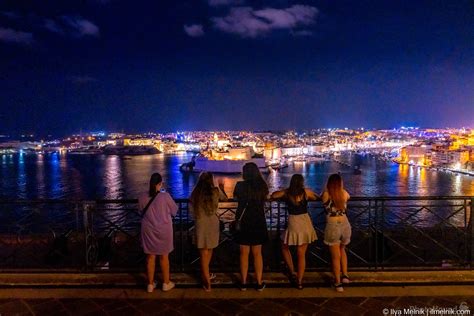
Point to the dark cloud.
(302, 33)
(216, 3)
(66, 25)
(74, 26)
(251, 23)
(10, 15)
(79, 26)
(13, 36)
(52, 26)
(194, 30)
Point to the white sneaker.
(151, 287)
(339, 287)
(168, 286)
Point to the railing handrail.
(380, 225)
(185, 200)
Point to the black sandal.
(293, 279)
(299, 286)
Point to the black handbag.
(236, 225)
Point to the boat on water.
(279, 165)
(230, 161)
(88, 150)
(130, 150)
(316, 158)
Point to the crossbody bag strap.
(246, 205)
(149, 203)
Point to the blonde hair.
(335, 189)
(204, 196)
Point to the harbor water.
(60, 176)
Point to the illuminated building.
(414, 154)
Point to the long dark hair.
(203, 193)
(253, 177)
(296, 187)
(335, 189)
(155, 179)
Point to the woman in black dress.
(251, 195)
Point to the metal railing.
(387, 233)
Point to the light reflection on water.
(112, 177)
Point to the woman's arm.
(311, 195)
(324, 196)
(277, 195)
(237, 191)
(222, 195)
(173, 207)
(347, 195)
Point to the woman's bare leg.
(244, 263)
(258, 262)
(165, 268)
(336, 262)
(205, 259)
(301, 251)
(150, 268)
(285, 250)
(343, 259)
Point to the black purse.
(236, 225)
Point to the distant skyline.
(234, 65)
(46, 136)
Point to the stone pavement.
(210, 307)
(310, 301)
(124, 294)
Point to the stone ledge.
(277, 293)
(226, 280)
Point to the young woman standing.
(157, 230)
(337, 233)
(300, 231)
(251, 195)
(204, 206)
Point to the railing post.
(382, 231)
(471, 239)
(370, 227)
(278, 217)
(76, 211)
(277, 239)
(181, 230)
(89, 237)
(376, 239)
(270, 211)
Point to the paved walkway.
(310, 301)
(124, 294)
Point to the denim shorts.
(338, 232)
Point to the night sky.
(234, 64)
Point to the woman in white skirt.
(300, 231)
